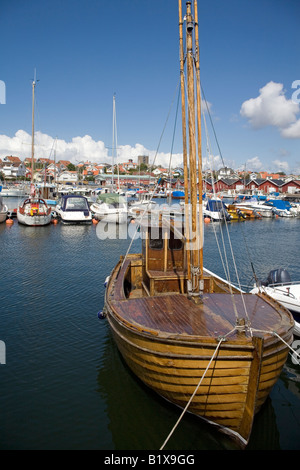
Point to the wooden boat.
(188, 334)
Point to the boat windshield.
(112, 199)
(75, 203)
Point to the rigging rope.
(156, 186)
(227, 271)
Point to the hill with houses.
(226, 180)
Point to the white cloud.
(78, 149)
(292, 132)
(281, 166)
(254, 164)
(272, 108)
(213, 162)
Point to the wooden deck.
(177, 315)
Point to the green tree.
(71, 167)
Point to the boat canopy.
(215, 205)
(280, 204)
(111, 198)
(74, 203)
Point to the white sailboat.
(34, 210)
(111, 207)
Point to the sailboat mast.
(113, 142)
(199, 144)
(195, 240)
(184, 137)
(32, 131)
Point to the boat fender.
(102, 314)
(106, 281)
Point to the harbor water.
(65, 386)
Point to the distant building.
(143, 159)
(68, 177)
(129, 165)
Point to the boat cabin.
(163, 255)
(74, 203)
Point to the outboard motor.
(278, 276)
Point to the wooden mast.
(200, 208)
(184, 138)
(195, 238)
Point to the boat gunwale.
(115, 289)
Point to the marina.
(65, 385)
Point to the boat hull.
(3, 216)
(34, 221)
(74, 218)
(287, 295)
(173, 369)
(172, 362)
(112, 217)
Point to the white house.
(12, 170)
(68, 177)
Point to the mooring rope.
(223, 338)
(273, 333)
(194, 393)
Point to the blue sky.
(85, 51)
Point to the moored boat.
(34, 210)
(189, 335)
(74, 209)
(280, 287)
(216, 210)
(3, 210)
(110, 207)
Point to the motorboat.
(3, 211)
(280, 287)
(144, 202)
(178, 195)
(110, 207)
(253, 203)
(74, 209)
(281, 208)
(14, 191)
(241, 214)
(216, 210)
